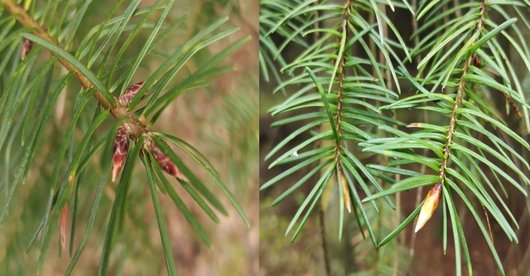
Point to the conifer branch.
(341, 77)
(459, 96)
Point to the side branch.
(340, 93)
(341, 77)
(433, 196)
(459, 97)
(118, 111)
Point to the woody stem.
(118, 111)
(459, 98)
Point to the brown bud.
(62, 231)
(164, 162)
(127, 97)
(26, 47)
(475, 60)
(429, 206)
(512, 106)
(120, 150)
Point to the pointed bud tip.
(114, 174)
(429, 206)
(116, 168)
(180, 176)
(418, 228)
(164, 162)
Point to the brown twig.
(119, 112)
(341, 76)
(434, 194)
(459, 98)
(338, 119)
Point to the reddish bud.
(429, 206)
(120, 150)
(26, 47)
(64, 216)
(127, 97)
(165, 163)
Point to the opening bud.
(26, 47)
(120, 150)
(429, 206)
(127, 97)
